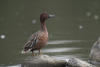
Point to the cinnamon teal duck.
(39, 39)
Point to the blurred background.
(71, 33)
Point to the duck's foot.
(40, 53)
(33, 54)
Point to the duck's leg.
(33, 53)
(40, 52)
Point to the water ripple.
(64, 41)
(63, 57)
(59, 50)
(19, 65)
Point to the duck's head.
(45, 16)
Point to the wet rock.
(95, 53)
(43, 61)
(75, 62)
(47, 61)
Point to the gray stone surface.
(47, 61)
(43, 61)
(94, 56)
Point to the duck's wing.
(31, 42)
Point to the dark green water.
(71, 33)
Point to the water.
(71, 33)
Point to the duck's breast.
(42, 40)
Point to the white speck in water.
(96, 17)
(17, 13)
(2, 36)
(80, 27)
(33, 21)
(88, 13)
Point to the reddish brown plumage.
(39, 39)
(42, 40)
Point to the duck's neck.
(43, 27)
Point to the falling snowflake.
(80, 27)
(88, 13)
(2, 36)
(96, 17)
(33, 21)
